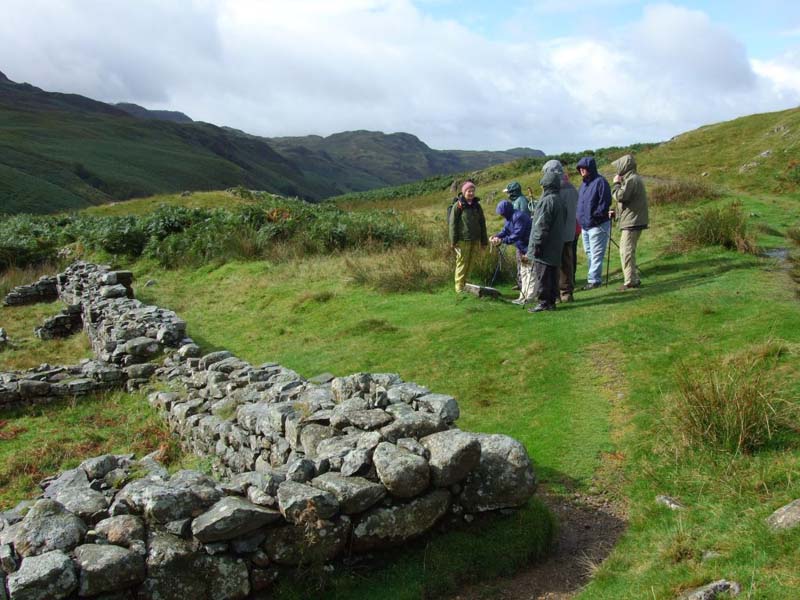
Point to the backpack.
(455, 201)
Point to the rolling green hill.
(64, 151)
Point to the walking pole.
(608, 254)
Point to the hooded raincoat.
(568, 194)
(594, 196)
(517, 229)
(520, 201)
(549, 218)
(630, 195)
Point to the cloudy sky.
(549, 74)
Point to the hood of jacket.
(513, 189)
(553, 166)
(505, 209)
(624, 165)
(551, 182)
(587, 162)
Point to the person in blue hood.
(594, 203)
(516, 231)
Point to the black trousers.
(546, 282)
(566, 281)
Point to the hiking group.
(545, 233)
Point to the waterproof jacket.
(549, 219)
(594, 196)
(521, 204)
(517, 229)
(467, 222)
(569, 195)
(630, 195)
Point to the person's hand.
(524, 259)
(494, 240)
(617, 178)
(537, 251)
(612, 214)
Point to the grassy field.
(597, 390)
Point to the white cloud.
(273, 67)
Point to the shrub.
(716, 226)
(680, 192)
(730, 407)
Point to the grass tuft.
(680, 192)
(732, 406)
(717, 226)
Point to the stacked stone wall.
(306, 471)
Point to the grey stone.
(299, 502)
(8, 559)
(189, 351)
(390, 526)
(159, 501)
(99, 466)
(311, 436)
(173, 569)
(113, 291)
(504, 477)
(140, 371)
(315, 542)
(122, 530)
(107, 568)
(46, 527)
(211, 358)
(452, 455)
(49, 576)
(786, 517)
(354, 494)
(356, 462)
(231, 517)
(402, 473)
(441, 405)
(413, 424)
(228, 578)
(670, 502)
(712, 590)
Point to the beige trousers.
(627, 254)
(465, 253)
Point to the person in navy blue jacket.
(516, 231)
(594, 203)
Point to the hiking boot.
(629, 286)
(542, 306)
(567, 298)
(519, 301)
(591, 286)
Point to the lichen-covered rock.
(786, 517)
(107, 568)
(354, 494)
(452, 455)
(186, 494)
(46, 527)
(230, 518)
(390, 526)
(504, 478)
(122, 530)
(313, 542)
(413, 424)
(443, 406)
(48, 576)
(173, 569)
(227, 577)
(299, 502)
(403, 473)
(71, 490)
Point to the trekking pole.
(608, 253)
(498, 267)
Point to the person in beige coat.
(630, 197)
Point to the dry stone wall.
(307, 470)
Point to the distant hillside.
(354, 158)
(65, 151)
(141, 112)
(754, 153)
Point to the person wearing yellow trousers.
(631, 198)
(467, 229)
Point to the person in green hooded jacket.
(467, 230)
(546, 243)
(631, 210)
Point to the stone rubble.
(308, 469)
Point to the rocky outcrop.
(306, 470)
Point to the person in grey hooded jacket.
(547, 241)
(569, 195)
(631, 198)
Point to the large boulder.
(315, 543)
(230, 518)
(107, 568)
(48, 526)
(403, 473)
(354, 494)
(452, 455)
(390, 526)
(504, 478)
(48, 576)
